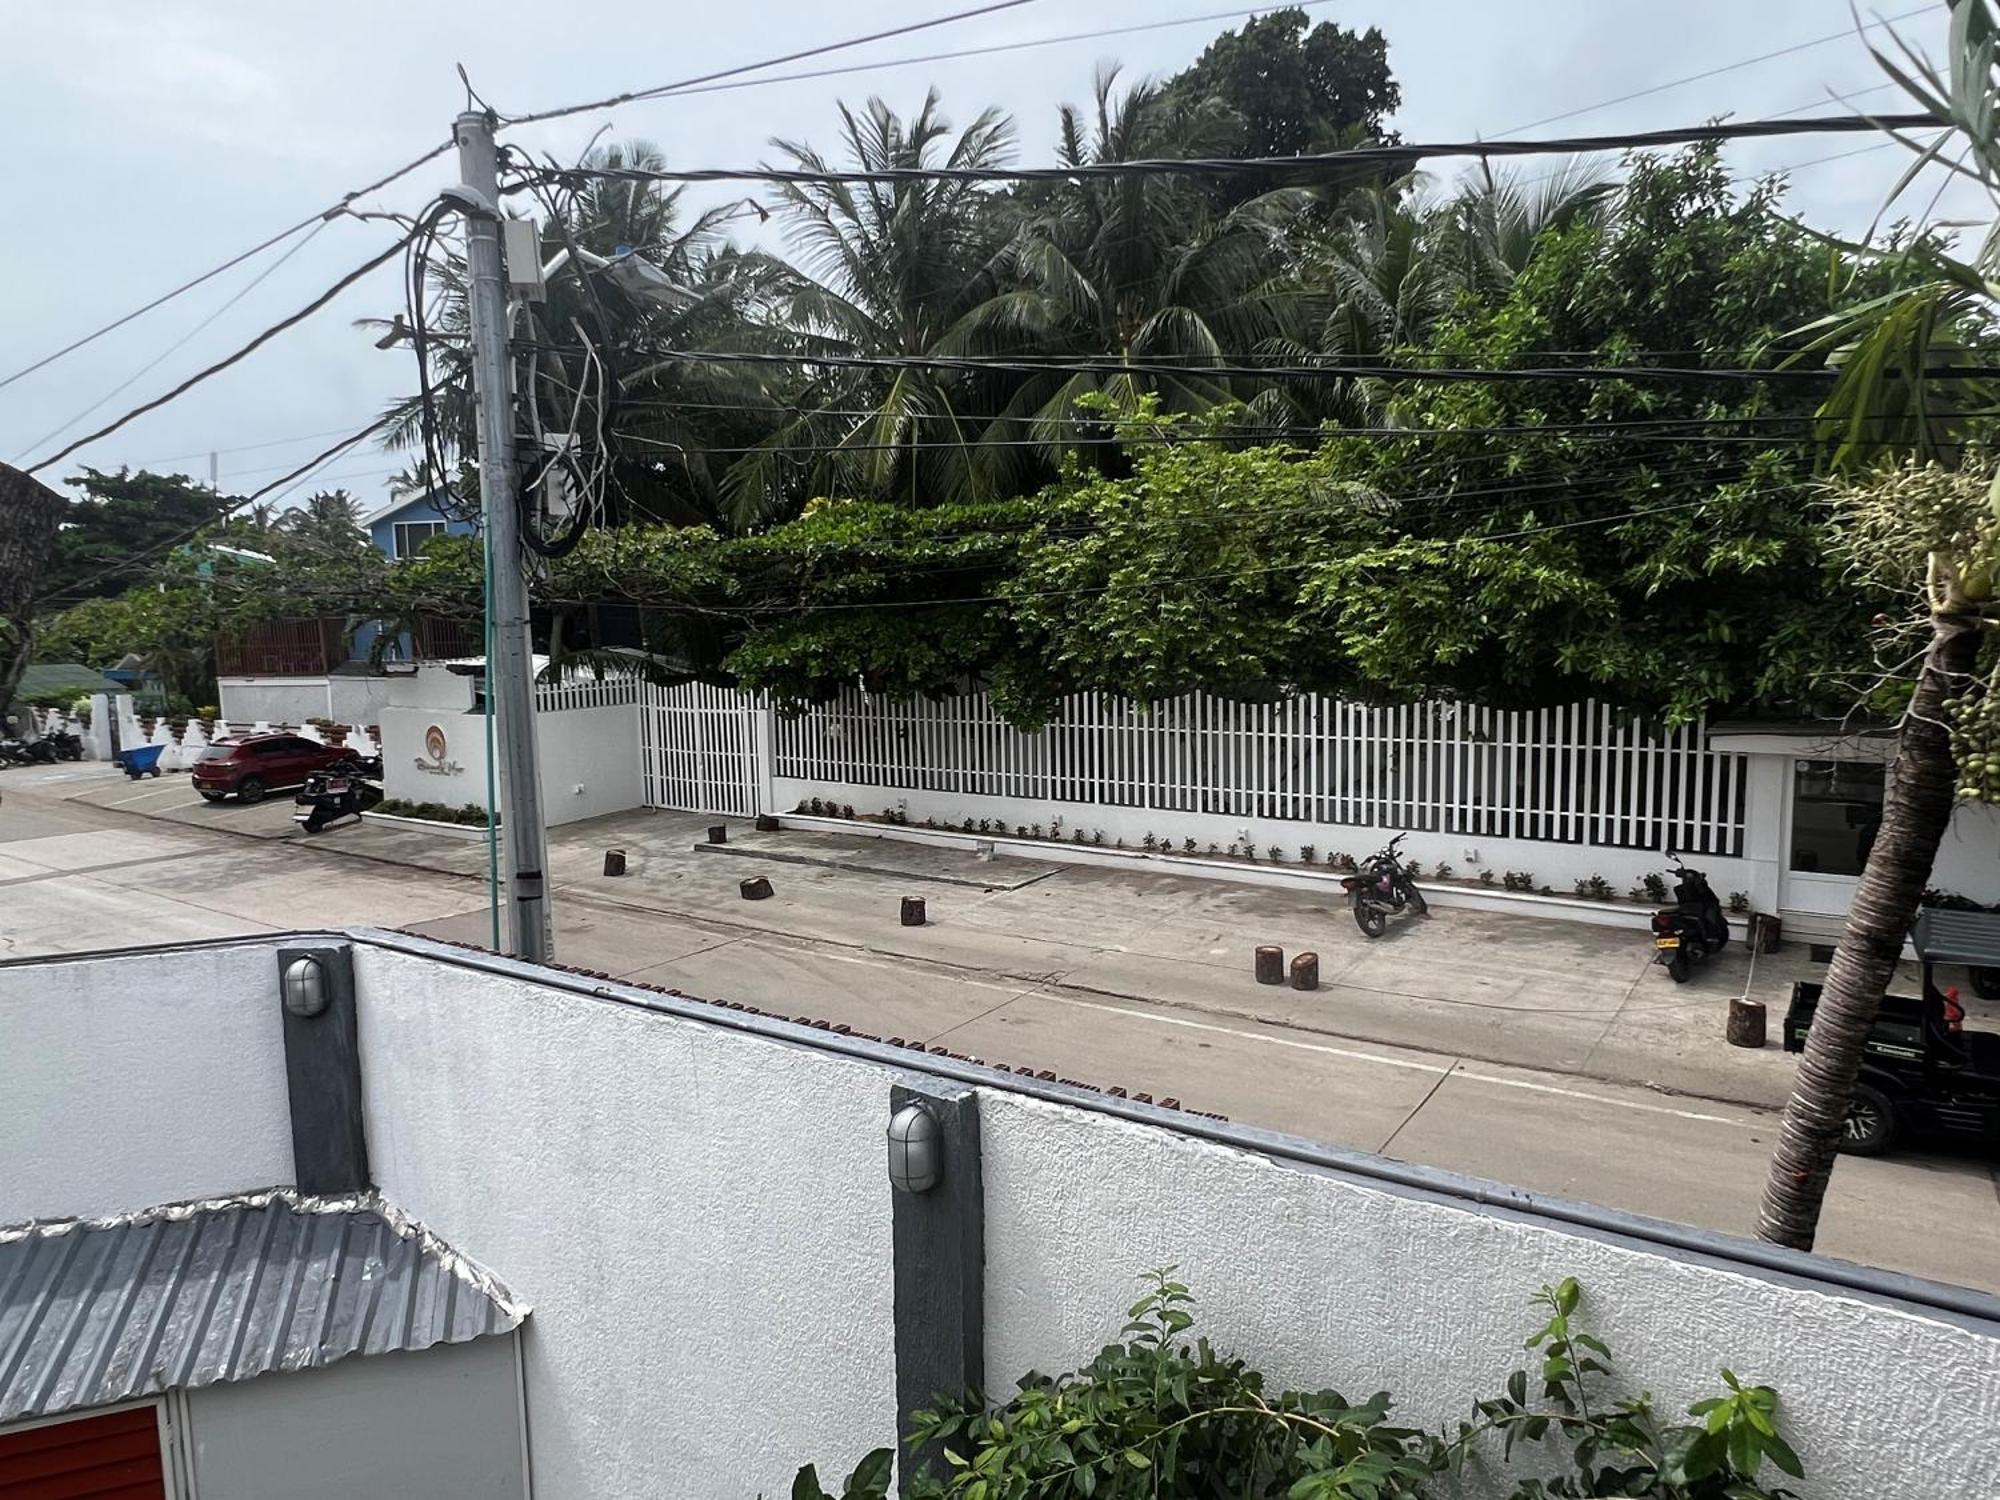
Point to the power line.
(769, 62)
(1304, 165)
(1674, 83)
(1318, 372)
(236, 260)
(1033, 42)
(242, 448)
(224, 363)
(178, 344)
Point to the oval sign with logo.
(434, 742)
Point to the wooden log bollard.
(767, 822)
(913, 911)
(1746, 1023)
(755, 889)
(614, 861)
(1305, 972)
(1270, 965)
(1767, 933)
(718, 833)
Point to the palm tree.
(1498, 219)
(888, 269)
(1950, 552)
(1137, 270)
(330, 520)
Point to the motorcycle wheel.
(1678, 966)
(1986, 983)
(1870, 1126)
(1415, 898)
(1370, 918)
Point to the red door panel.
(114, 1457)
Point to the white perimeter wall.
(700, 1220)
(589, 759)
(129, 1082)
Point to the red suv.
(252, 764)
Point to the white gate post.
(764, 773)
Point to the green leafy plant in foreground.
(1163, 1417)
(1621, 1447)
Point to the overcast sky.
(148, 142)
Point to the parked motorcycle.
(1695, 927)
(1381, 886)
(341, 791)
(15, 752)
(66, 746)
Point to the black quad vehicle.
(1923, 1074)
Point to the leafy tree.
(118, 525)
(329, 520)
(1295, 87)
(29, 515)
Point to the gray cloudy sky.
(147, 142)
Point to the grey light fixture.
(304, 986)
(916, 1150)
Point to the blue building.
(402, 527)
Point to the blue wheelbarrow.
(143, 761)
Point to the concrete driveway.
(1550, 1055)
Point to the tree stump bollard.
(1305, 972)
(767, 822)
(1270, 965)
(1766, 933)
(1746, 1023)
(913, 911)
(755, 889)
(718, 833)
(614, 861)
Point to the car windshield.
(218, 752)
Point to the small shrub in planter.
(1020, 830)
(985, 825)
(1187, 846)
(1594, 888)
(1413, 868)
(1518, 880)
(966, 826)
(847, 811)
(1232, 851)
(1486, 877)
(1097, 836)
(817, 806)
(1444, 872)
(1211, 851)
(1276, 855)
(1035, 831)
(1739, 902)
(1079, 837)
(1149, 843)
(1656, 887)
(1308, 854)
(1055, 827)
(1637, 895)
(1341, 860)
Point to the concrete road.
(1517, 1051)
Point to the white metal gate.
(703, 749)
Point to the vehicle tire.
(208, 796)
(1678, 966)
(1986, 983)
(250, 789)
(1370, 918)
(1415, 898)
(1870, 1126)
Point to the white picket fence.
(587, 690)
(701, 748)
(1576, 774)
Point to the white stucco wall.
(700, 1220)
(128, 1082)
(1968, 860)
(589, 759)
(1325, 1282)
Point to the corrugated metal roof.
(99, 1311)
(1959, 937)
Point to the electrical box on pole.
(522, 242)
(509, 661)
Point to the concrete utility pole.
(510, 665)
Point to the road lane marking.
(1455, 1070)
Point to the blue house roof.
(418, 516)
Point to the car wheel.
(208, 796)
(1678, 966)
(251, 789)
(1870, 1126)
(1370, 918)
(1986, 983)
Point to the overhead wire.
(821, 50)
(337, 208)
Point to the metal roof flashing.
(1959, 937)
(98, 1311)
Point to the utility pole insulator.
(510, 662)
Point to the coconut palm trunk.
(1915, 810)
(29, 515)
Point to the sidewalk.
(1562, 997)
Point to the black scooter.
(66, 746)
(16, 752)
(340, 791)
(1695, 927)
